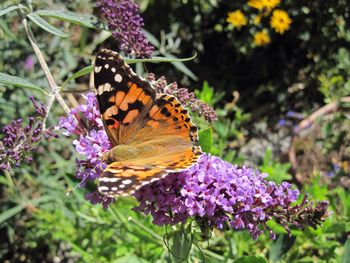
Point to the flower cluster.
(262, 12)
(218, 194)
(187, 98)
(91, 143)
(124, 20)
(19, 139)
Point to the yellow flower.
(237, 19)
(280, 21)
(262, 38)
(257, 4)
(257, 20)
(270, 4)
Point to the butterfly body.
(151, 134)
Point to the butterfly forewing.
(124, 98)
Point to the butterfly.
(151, 134)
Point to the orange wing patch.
(168, 109)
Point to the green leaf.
(158, 59)
(45, 25)
(15, 210)
(251, 259)
(6, 79)
(206, 139)
(9, 9)
(8, 213)
(82, 72)
(152, 39)
(181, 244)
(89, 21)
(280, 247)
(130, 258)
(346, 257)
(180, 66)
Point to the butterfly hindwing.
(125, 178)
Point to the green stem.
(55, 89)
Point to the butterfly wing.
(124, 178)
(167, 143)
(124, 98)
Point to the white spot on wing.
(127, 181)
(98, 69)
(103, 88)
(100, 89)
(103, 188)
(108, 179)
(118, 78)
(113, 70)
(106, 65)
(107, 87)
(144, 183)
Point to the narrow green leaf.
(82, 72)
(46, 25)
(6, 79)
(180, 66)
(346, 257)
(206, 139)
(251, 259)
(8, 213)
(89, 21)
(152, 39)
(181, 245)
(129, 257)
(15, 210)
(9, 9)
(280, 247)
(158, 59)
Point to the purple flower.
(19, 139)
(96, 198)
(91, 145)
(296, 115)
(29, 63)
(184, 96)
(88, 111)
(124, 20)
(217, 194)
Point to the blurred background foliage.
(260, 94)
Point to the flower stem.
(55, 90)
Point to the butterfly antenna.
(78, 185)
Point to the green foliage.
(278, 172)
(335, 82)
(206, 139)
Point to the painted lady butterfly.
(151, 134)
